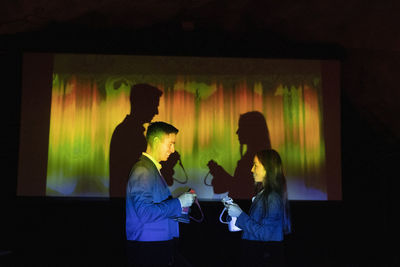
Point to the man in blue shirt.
(151, 212)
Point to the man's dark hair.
(157, 129)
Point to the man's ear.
(156, 140)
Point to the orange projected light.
(88, 102)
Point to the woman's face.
(258, 170)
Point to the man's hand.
(213, 167)
(187, 199)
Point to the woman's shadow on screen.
(253, 134)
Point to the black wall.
(357, 231)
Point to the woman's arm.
(267, 227)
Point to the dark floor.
(47, 232)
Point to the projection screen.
(72, 103)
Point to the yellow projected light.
(85, 110)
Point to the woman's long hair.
(274, 181)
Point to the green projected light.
(203, 98)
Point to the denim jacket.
(268, 228)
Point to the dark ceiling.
(366, 33)
(348, 23)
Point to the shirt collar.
(158, 165)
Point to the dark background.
(361, 230)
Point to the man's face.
(165, 146)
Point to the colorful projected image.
(224, 108)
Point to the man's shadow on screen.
(167, 169)
(126, 146)
(254, 134)
(128, 140)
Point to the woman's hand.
(234, 210)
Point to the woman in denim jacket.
(269, 217)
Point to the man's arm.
(140, 193)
